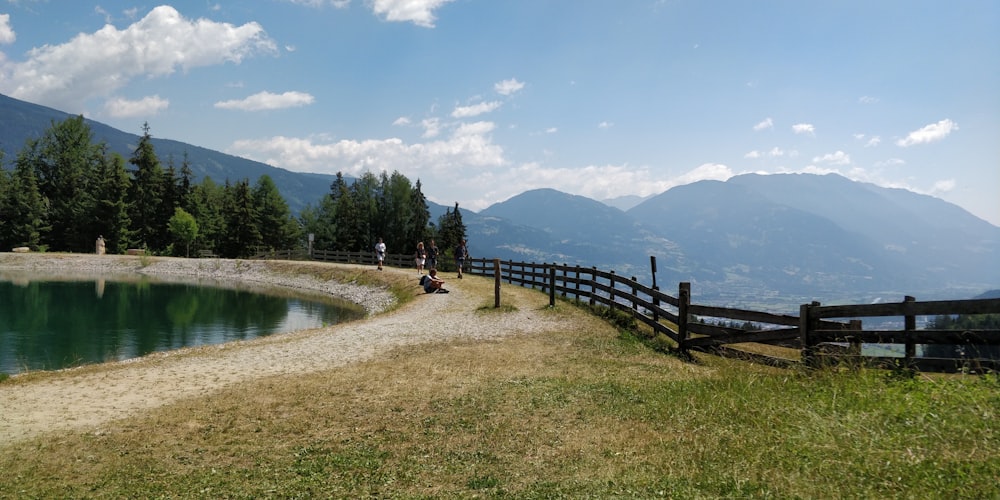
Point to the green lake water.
(48, 324)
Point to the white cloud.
(402, 121)
(432, 127)
(764, 125)
(119, 107)
(930, 133)
(704, 172)
(605, 125)
(867, 100)
(943, 186)
(419, 12)
(870, 142)
(266, 100)
(469, 146)
(775, 152)
(891, 162)
(838, 158)
(804, 128)
(475, 109)
(98, 64)
(508, 87)
(6, 31)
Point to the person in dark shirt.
(432, 255)
(461, 253)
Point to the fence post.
(552, 286)
(635, 294)
(806, 326)
(611, 293)
(909, 324)
(683, 302)
(577, 284)
(656, 303)
(496, 283)
(564, 280)
(854, 350)
(593, 281)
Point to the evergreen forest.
(63, 191)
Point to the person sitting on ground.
(433, 284)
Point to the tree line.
(64, 191)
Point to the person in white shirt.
(380, 252)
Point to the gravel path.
(83, 399)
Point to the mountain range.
(752, 240)
(791, 237)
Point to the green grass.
(591, 412)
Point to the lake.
(49, 324)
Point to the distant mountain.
(934, 235)
(20, 121)
(624, 202)
(794, 237)
(573, 225)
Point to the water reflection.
(56, 324)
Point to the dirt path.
(85, 398)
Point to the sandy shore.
(86, 398)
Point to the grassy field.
(590, 412)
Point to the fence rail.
(820, 333)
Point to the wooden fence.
(821, 334)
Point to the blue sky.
(482, 100)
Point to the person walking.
(420, 257)
(432, 255)
(461, 253)
(380, 253)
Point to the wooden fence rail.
(813, 332)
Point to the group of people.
(426, 257)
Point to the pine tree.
(23, 207)
(207, 201)
(399, 231)
(241, 236)
(319, 221)
(63, 159)
(110, 214)
(185, 186)
(147, 195)
(420, 214)
(277, 227)
(346, 221)
(365, 193)
(452, 230)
